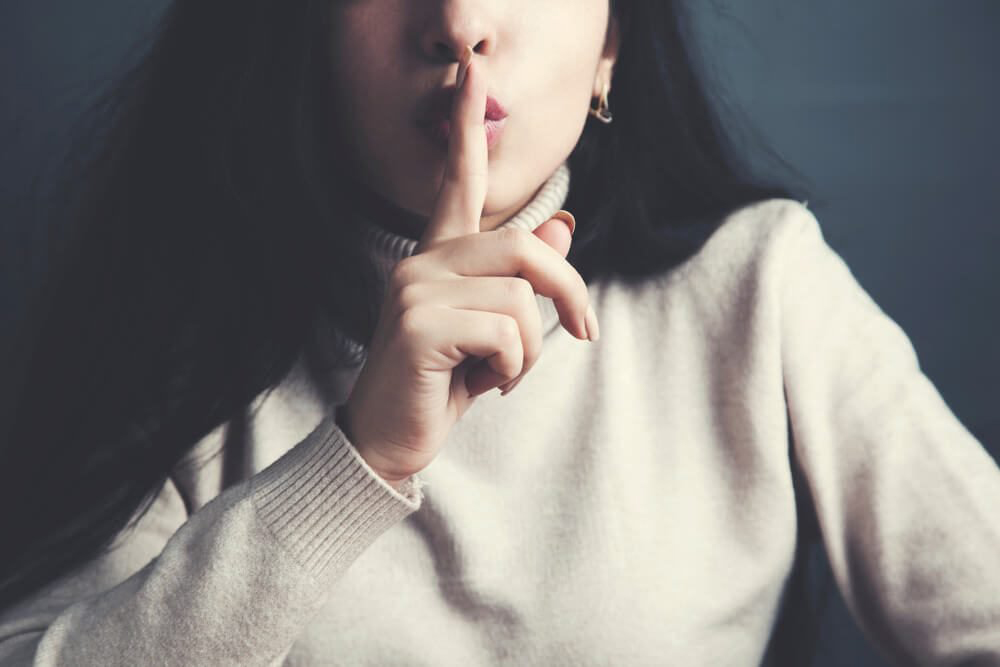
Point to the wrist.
(343, 421)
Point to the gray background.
(887, 109)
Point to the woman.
(256, 428)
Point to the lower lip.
(439, 132)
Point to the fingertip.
(463, 66)
(567, 217)
(556, 234)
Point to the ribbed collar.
(387, 248)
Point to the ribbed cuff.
(326, 504)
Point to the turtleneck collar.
(386, 248)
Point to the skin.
(464, 295)
(544, 61)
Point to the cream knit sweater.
(630, 503)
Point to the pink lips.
(437, 119)
(494, 110)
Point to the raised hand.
(459, 316)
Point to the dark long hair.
(203, 247)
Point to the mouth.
(438, 105)
(435, 118)
(440, 132)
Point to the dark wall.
(888, 109)
(54, 57)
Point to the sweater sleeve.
(232, 584)
(907, 500)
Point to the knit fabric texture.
(631, 502)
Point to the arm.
(235, 582)
(907, 500)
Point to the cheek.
(562, 74)
(549, 124)
(559, 106)
(360, 86)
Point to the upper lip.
(437, 106)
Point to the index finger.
(460, 201)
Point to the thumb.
(558, 231)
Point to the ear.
(605, 66)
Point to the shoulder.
(759, 235)
(735, 279)
(734, 283)
(753, 242)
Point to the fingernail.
(566, 217)
(463, 65)
(593, 328)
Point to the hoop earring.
(602, 112)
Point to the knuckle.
(507, 330)
(515, 238)
(518, 289)
(402, 274)
(410, 323)
(408, 296)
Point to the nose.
(454, 24)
